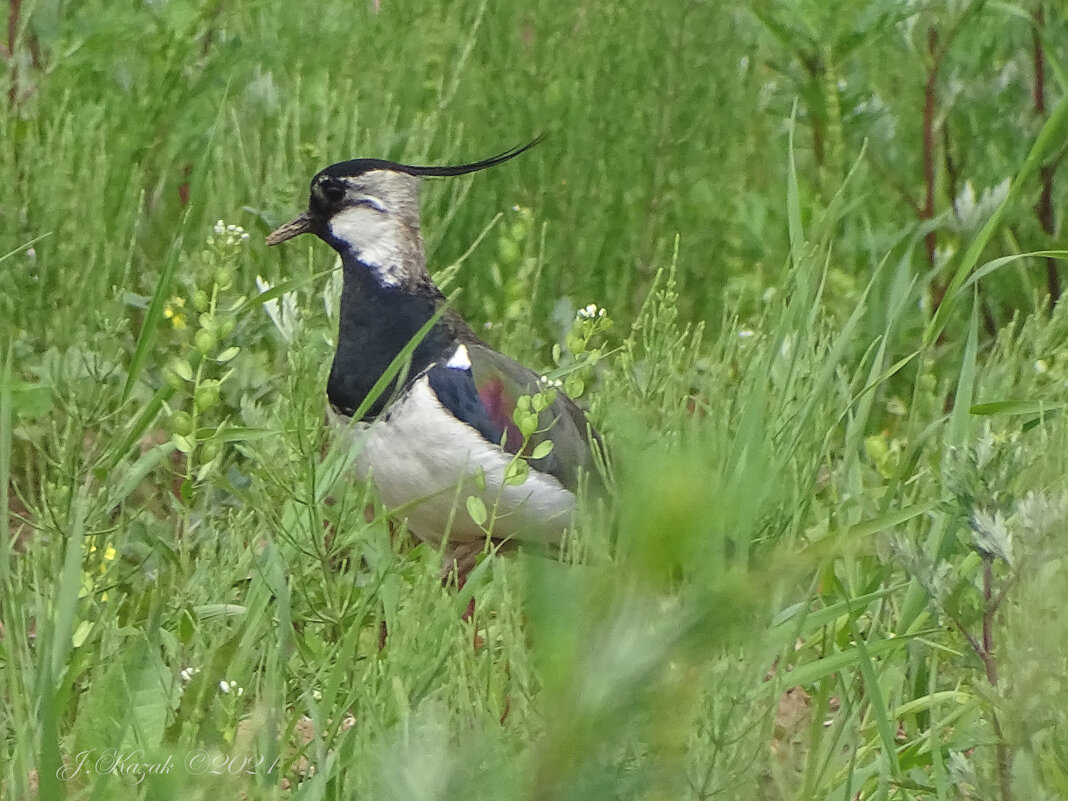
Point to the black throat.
(376, 321)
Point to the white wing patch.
(460, 359)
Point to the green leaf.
(280, 289)
(183, 369)
(516, 472)
(137, 427)
(217, 611)
(235, 433)
(151, 688)
(993, 265)
(890, 519)
(877, 706)
(795, 228)
(138, 471)
(228, 354)
(183, 443)
(786, 623)
(805, 675)
(476, 508)
(957, 431)
(81, 634)
(31, 400)
(1016, 407)
(542, 449)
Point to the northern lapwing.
(448, 431)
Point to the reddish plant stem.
(988, 621)
(983, 646)
(1001, 748)
(1044, 206)
(14, 9)
(952, 177)
(14, 14)
(815, 69)
(929, 99)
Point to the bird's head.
(368, 210)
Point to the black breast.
(376, 322)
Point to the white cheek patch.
(371, 234)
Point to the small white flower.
(188, 673)
(227, 235)
(231, 687)
(746, 333)
(588, 313)
(1041, 366)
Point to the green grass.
(832, 563)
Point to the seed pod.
(182, 423)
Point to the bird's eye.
(332, 191)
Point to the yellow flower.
(109, 555)
(172, 311)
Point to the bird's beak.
(301, 225)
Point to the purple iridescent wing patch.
(500, 405)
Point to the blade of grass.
(875, 698)
(24, 246)
(995, 264)
(890, 519)
(146, 338)
(793, 196)
(956, 433)
(52, 676)
(1016, 407)
(138, 426)
(810, 673)
(281, 288)
(6, 419)
(340, 455)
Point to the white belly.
(423, 462)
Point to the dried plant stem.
(990, 603)
(1044, 206)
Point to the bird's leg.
(460, 559)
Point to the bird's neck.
(377, 320)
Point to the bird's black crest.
(349, 169)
